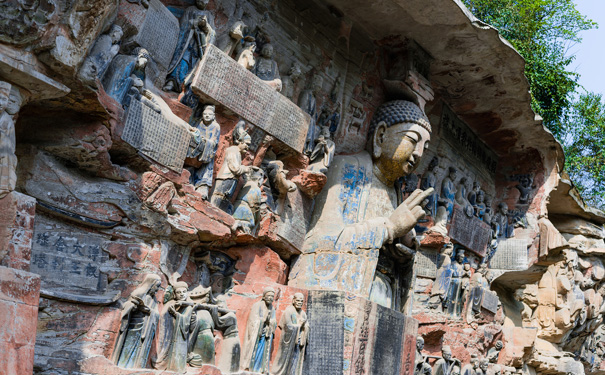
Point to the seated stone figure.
(123, 72)
(356, 214)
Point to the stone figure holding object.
(138, 325)
(258, 341)
(421, 366)
(294, 336)
(266, 68)
(10, 104)
(232, 168)
(445, 365)
(104, 50)
(203, 147)
(356, 214)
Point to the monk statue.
(356, 214)
(294, 336)
(258, 341)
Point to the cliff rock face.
(290, 187)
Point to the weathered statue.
(195, 33)
(448, 192)
(289, 81)
(357, 214)
(455, 292)
(493, 353)
(10, 103)
(471, 368)
(525, 186)
(307, 102)
(483, 366)
(293, 341)
(461, 198)
(443, 278)
(323, 153)
(429, 180)
(175, 328)
(266, 68)
(422, 367)
(279, 184)
(256, 352)
(246, 56)
(500, 223)
(472, 195)
(445, 365)
(247, 205)
(229, 43)
(231, 169)
(140, 317)
(203, 146)
(104, 50)
(479, 206)
(123, 71)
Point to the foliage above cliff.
(542, 31)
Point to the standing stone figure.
(525, 187)
(203, 146)
(246, 56)
(289, 81)
(500, 223)
(195, 33)
(445, 365)
(256, 352)
(266, 68)
(10, 103)
(422, 367)
(443, 278)
(123, 72)
(448, 192)
(455, 292)
(247, 205)
(479, 206)
(307, 102)
(232, 168)
(429, 180)
(293, 341)
(323, 153)
(140, 317)
(356, 214)
(175, 328)
(104, 50)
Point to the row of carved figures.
(185, 328)
(448, 365)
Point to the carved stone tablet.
(155, 136)
(159, 33)
(490, 301)
(469, 232)
(221, 80)
(510, 255)
(426, 263)
(388, 346)
(68, 258)
(325, 313)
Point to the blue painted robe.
(204, 151)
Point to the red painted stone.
(310, 183)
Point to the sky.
(590, 53)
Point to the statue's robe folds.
(173, 339)
(203, 147)
(256, 352)
(292, 344)
(348, 228)
(137, 331)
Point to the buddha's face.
(401, 147)
(267, 51)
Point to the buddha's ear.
(378, 139)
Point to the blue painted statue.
(123, 72)
(203, 147)
(258, 341)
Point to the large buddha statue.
(357, 212)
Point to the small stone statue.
(429, 180)
(236, 34)
(483, 366)
(176, 323)
(203, 147)
(266, 68)
(461, 198)
(195, 34)
(307, 102)
(280, 185)
(247, 205)
(443, 278)
(293, 341)
(479, 206)
(471, 368)
(493, 353)
(323, 153)
(256, 352)
(104, 50)
(422, 367)
(289, 82)
(232, 168)
(10, 103)
(500, 223)
(140, 317)
(472, 195)
(455, 293)
(246, 56)
(448, 192)
(445, 365)
(525, 187)
(123, 72)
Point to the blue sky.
(590, 54)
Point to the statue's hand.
(405, 217)
(172, 311)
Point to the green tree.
(585, 147)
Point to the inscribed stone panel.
(426, 263)
(155, 136)
(470, 232)
(324, 353)
(220, 79)
(490, 301)
(511, 255)
(388, 344)
(159, 33)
